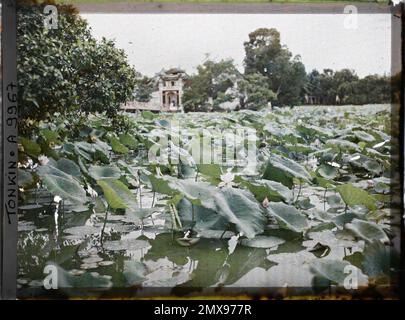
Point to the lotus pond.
(275, 202)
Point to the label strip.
(9, 152)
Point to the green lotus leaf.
(327, 171)
(367, 230)
(117, 194)
(117, 146)
(49, 135)
(31, 148)
(134, 272)
(341, 219)
(333, 270)
(147, 115)
(262, 242)
(211, 170)
(362, 135)
(24, 178)
(237, 206)
(282, 169)
(129, 141)
(242, 209)
(104, 172)
(380, 261)
(341, 144)
(272, 190)
(288, 216)
(199, 217)
(352, 196)
(68, 166)
(62, 184)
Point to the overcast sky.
(156, 41)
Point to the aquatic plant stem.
(36, 195)
(140, 196)
(139, 189)
(153, 222)
(293, 191)
(176, 214)
(299, 191)
(223, 233)
(175, 217)
(105, 222)
(153, 199)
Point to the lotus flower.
(43, 160)
(227, 179)
(93, 193)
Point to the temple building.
(169, 95)
(171, 85)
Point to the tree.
(211, 82)
(291, 84)
(261, 50)
(348, 87)
(285, 74)
(255, 92)
(103, 78)
(313, 86)
(66, 69)
(144, 88)
(328, 88)
(372, 89)
(345, 76)
(343, 82)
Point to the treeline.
(66, 70)
(272, 75)
(345, 87)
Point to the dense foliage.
(66, 69)
(145, 86)
(255, 92)
(209, 86)
(272, 75)
(285, 74)
(345, 87)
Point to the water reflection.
(97, 253)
